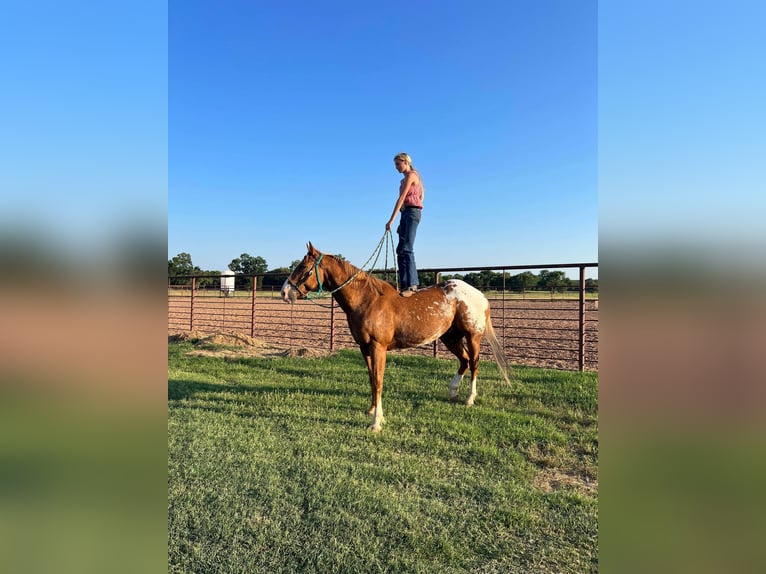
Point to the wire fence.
(555, 329)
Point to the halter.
(316, 272)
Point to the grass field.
(271, 468)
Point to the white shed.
(227, 283)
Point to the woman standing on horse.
(410, 204)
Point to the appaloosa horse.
(380, 319)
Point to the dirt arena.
(534, 332)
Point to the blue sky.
(284, 119)
(237, 129)
(83, 110)
(682, 118)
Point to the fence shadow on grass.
(180, 389)
(346, 413)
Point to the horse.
(380, 319)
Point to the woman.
(410, 203)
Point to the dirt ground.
(238, 345)
(534, 333)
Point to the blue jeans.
(405, 250)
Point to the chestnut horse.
(380, 319)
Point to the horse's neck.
(351, 295)
(336, 274)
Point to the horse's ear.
(311, 249)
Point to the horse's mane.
(364, 279)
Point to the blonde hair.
(404, 157)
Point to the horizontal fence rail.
(553, 329)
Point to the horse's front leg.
(376, 365)
(368, 360)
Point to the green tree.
(553, 280)
(482, 279)
(213, 282)
(247, 266)
(426, 278)
(277, 280)
(522, 281)
(473, 279)
(181, 265)
(447, 277)
(495, 280)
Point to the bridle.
(297, 286)
(320, 291)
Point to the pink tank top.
(413, 197)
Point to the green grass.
(271, 468)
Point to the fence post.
(223, 316)
(191, 306)
(437, 276)
(581, 353)
(503, 329)
(252, 314)
(332, 324)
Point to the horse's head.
(306, 277)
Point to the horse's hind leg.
(473, 342)
(458, 348)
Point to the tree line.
(546, 280)
(246, 266)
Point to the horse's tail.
(497, 350)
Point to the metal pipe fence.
(553, 329)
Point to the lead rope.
(390, 238)
(375, 254)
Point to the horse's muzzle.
(289, 293)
